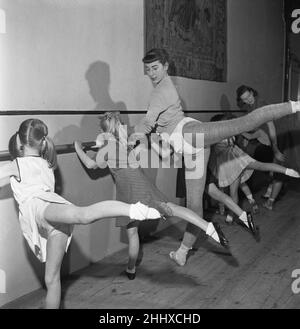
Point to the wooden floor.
(256, 275)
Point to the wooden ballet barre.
(69, 148)
(95, 112)
(60, 149)
(66, 112)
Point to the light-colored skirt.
(228, 163)
(36, 230)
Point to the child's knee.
(82, 215)
(52, 278)
(215, 193)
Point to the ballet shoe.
(173, 256)
(130, 276)
(223, 241)
(251, 225)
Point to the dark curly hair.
(241, 90)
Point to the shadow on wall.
(99, 81)
(224, 103)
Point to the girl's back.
(35, 177)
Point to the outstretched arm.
(86, 160)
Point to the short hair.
(156, 54)
(242, 89)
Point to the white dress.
(34, 191)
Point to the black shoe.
(250, 222)
(251, 225)
(130, 276)
(253, 228)
(224, 242)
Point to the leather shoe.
(254, 229)
(224, 242)
(130, 276)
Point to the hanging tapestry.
(194, 33)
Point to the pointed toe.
(223, 241)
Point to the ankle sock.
(295, 106)
(139, 211)
(243, 218)
(211, 231)
(132, 271)
(183, 249)
(182, 252)
(292, 173)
